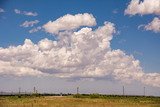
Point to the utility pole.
(144, 91)
(19, 93)
(77, 90)
(19, 90)
(123, 90)
(34, 90)
(1, 92)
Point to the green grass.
(93, 100)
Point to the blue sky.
(142, 44)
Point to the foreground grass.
(81, 101)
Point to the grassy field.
(79, 101)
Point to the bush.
(78, 96)
(95, 96)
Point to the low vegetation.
(78, 100)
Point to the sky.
(99, 46)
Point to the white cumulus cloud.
(85, 53)
(35, 29)
(154, 25)
(29, 23)
(69, 22)
(146, 7)
(17, 11)
(143, 7)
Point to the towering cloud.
(69, 22)
(143, 7)
(85, 53)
